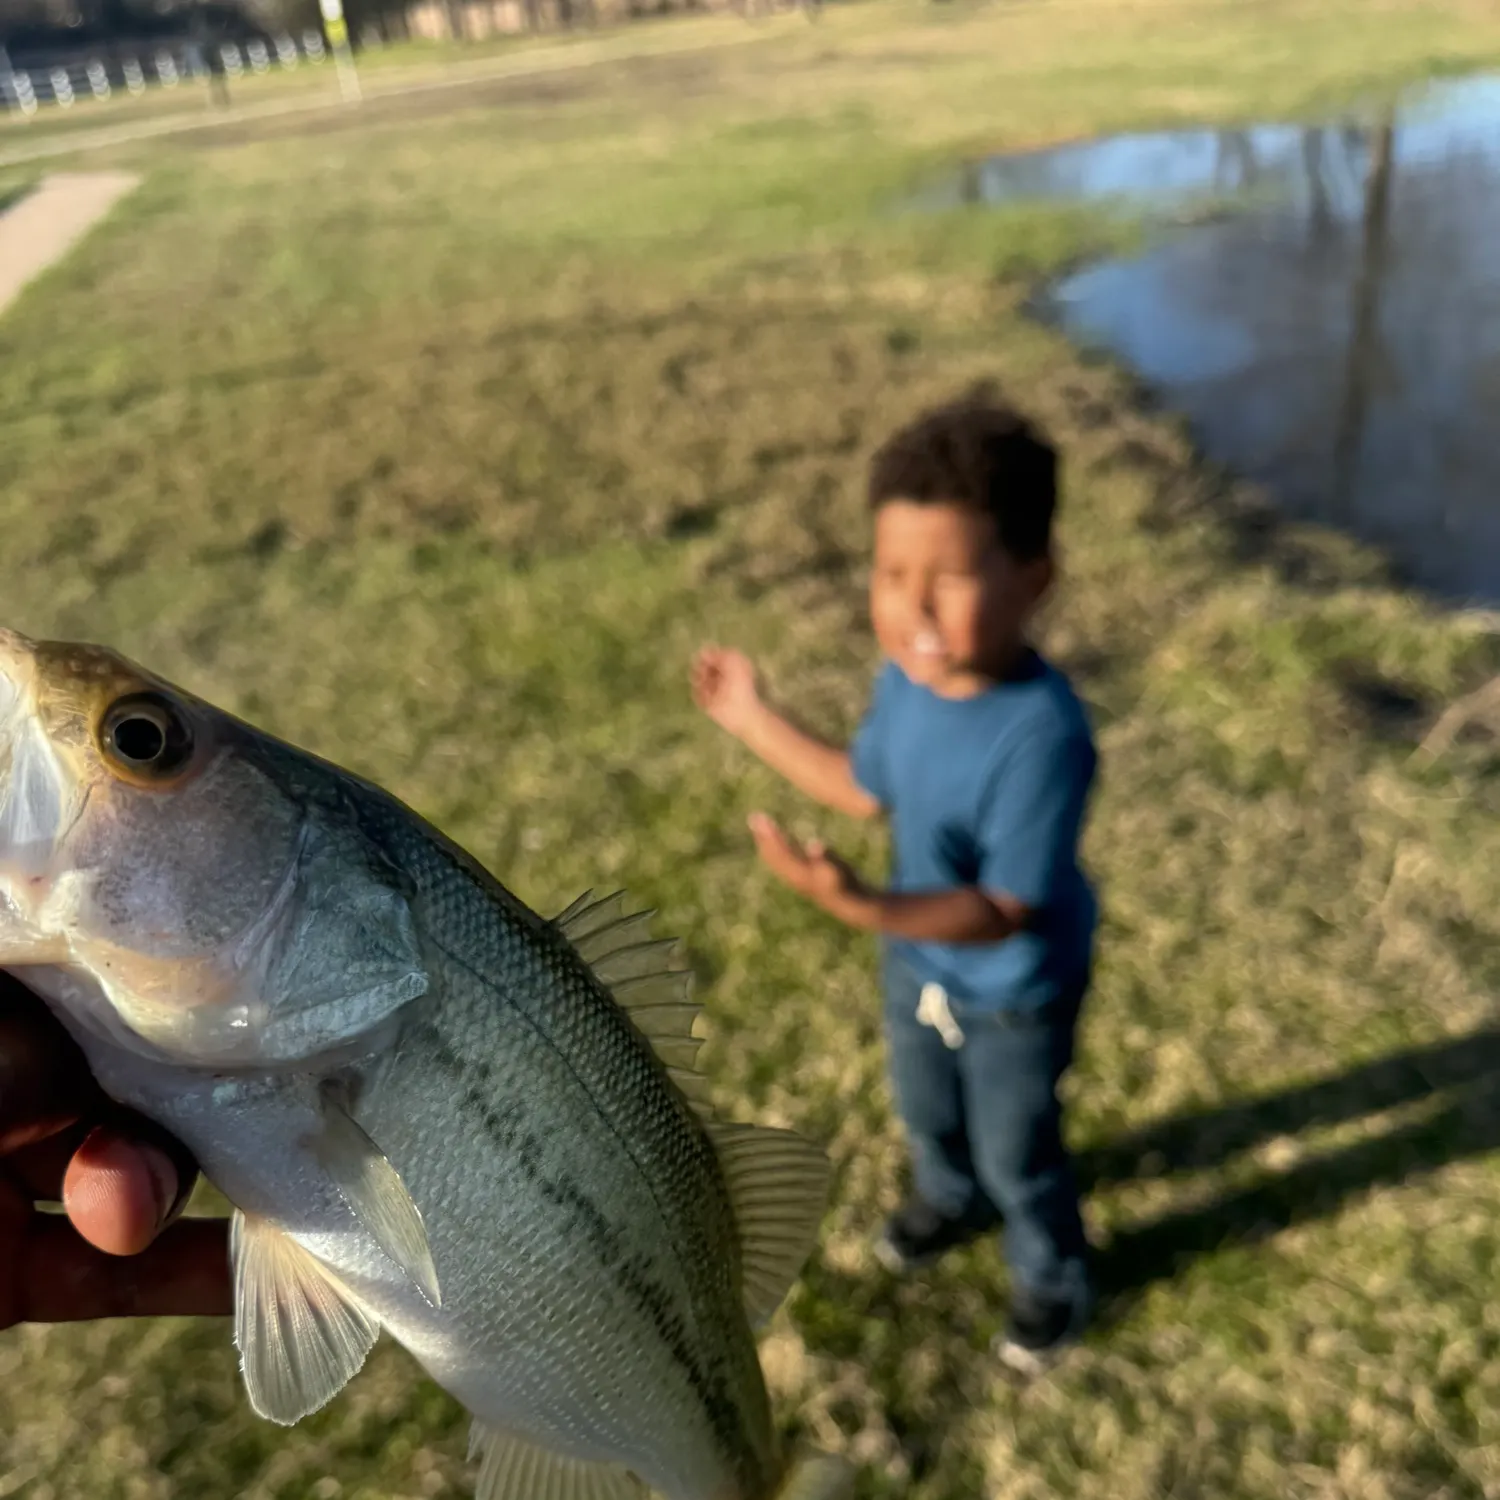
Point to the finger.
(121, 1191)
(819, 853)
(764, 826)
(63, 1279)
(37, 1170)
(44, 1081)
(775, 847)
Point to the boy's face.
(949, 604)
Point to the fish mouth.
(17, 670)
(32, 799)
(29, 800)
(17, 673)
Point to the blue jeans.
(985, 1126)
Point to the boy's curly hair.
(978, 452)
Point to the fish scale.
(513, 1300)
(436, 1113)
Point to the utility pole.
(337, 29)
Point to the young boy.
(980, 754)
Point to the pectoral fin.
(376, 1196)
(301, 1335)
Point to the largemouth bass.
(434, 1112)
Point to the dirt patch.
(686, 76)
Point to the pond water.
(1335, 333)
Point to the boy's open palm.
(725, 687)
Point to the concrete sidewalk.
(47, 223)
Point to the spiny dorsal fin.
(514, 1469)
(634, 969)
(778, 1186)
(695, 1089)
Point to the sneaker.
(917, 1235)
(1039, 1331)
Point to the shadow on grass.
(12, 193)
(875, 1320)
(1467, 1124)
(1463, 1073)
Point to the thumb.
(121, 1190)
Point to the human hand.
(726, 689)
(811, 869)
(116, 1252)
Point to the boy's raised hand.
(725, 687)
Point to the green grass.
(13, 187)
(436, 437)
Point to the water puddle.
(1335, 334)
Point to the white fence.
(25, 91)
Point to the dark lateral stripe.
(631, 1274)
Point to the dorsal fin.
(634, 969)
(778, 1186)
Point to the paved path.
(48, 222)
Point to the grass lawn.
(436, 435)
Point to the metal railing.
(25, 91)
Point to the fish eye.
(146, 733)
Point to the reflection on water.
(1338, 338)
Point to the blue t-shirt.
(988, 791)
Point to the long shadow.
(876, 1320)
(1207, 1138)
(1466, 1125)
